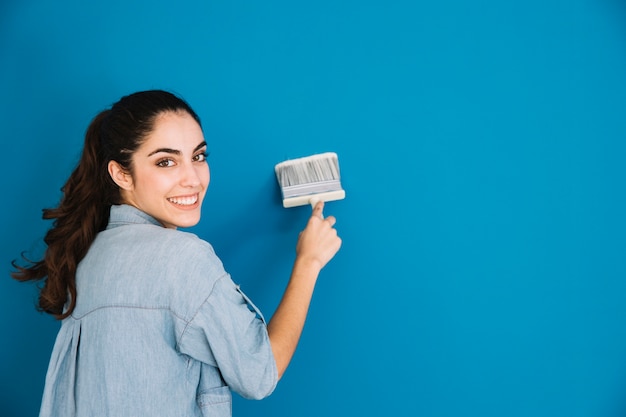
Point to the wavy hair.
(87, 196)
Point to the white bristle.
(315, 168)
(311, 177)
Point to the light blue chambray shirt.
(159, 329)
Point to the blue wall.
(482, 150)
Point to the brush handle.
(313, 201)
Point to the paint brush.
(310, 179)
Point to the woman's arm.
(317, 245)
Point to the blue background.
(481, 146)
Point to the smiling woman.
(170, 173)
(152, 323)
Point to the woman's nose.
(190, 176)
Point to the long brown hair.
(87, 196)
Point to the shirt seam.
(137, 307)
(195, 314)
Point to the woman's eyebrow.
(200, 146)
(176, 151)
(165, 150)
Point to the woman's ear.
(122, 178)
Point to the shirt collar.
(125, 214)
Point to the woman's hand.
(318, 242)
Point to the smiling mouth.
(184, 201)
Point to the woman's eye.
(201, 157)
(164, 163)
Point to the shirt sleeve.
(229, 332)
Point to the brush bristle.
(315, 168)
(313, 176)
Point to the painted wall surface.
(482, 149)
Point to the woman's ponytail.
(82, 213)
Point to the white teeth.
(184, 201)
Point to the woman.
(151, 322)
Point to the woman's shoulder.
(189, 241)
(185, 266)
(157, 247)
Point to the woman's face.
(170, 173)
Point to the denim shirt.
(159, 329)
